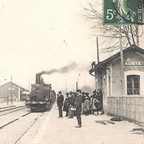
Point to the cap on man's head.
(87, 93)
(94, 91)
(79, 90)
(67, 93)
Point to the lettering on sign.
(130, 62)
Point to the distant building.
(11, 92)
(127, 99)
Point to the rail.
(11, 110)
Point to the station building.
(11, 92)
(125, 99)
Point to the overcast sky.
(38, 35)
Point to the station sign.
(123, 12)
(131, 62)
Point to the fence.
(128, 107)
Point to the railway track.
(6, 108)
(11, 110)
(27, 118)
(21, 127)
(17, 141)
(18, 126)
(13, 120)
(10, 116)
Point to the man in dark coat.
(71, 112)
(60, 99)
(66, 104)
(78, 106)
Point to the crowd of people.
(77, 103)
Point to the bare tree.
(130, 33)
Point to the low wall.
(127, 107)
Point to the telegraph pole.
(76, 85)
(77, 82)
(122, 63)
(97, 44)
(97, 74)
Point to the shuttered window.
(133, 84)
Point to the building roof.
(115, 56)
(10, 82)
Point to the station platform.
(96, 129)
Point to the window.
(133, 84)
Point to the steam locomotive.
(42, 97)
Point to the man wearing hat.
(60, 99)
(66, 104)
(78, 106)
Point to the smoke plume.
(61, 70)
